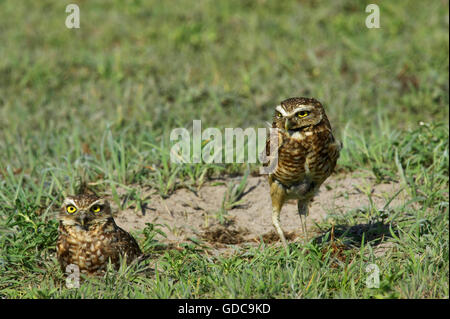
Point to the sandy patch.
(186, 214)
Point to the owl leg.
(303, 212)
(276, 224)
(277, 195)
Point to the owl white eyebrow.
(68, 201)
(300, 108)
(97, 202)
(280, 109)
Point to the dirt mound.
(272, 237)
(186, 214)
(225, 235)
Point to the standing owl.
(89, 237)
(307, 154)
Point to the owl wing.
(267, 149)
(327, 158)
(334, 150)
(63, 248)
(127, 244)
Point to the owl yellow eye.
(302, 114)
(278, 114)
(71, 209)
(95, 208)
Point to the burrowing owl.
(307, 154)
(89, 237)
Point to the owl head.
(84, 211)
(297, 113)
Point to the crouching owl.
(89, 237)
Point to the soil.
(187, 215)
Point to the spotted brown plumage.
(307, 155)
(89, 237)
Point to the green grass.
(96, 106)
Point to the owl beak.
(286, 125)
(83, 219)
